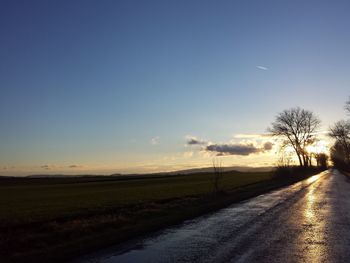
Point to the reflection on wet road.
(306, 222)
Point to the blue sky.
(89, 84)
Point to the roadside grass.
(52, 220)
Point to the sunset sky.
(145, 86)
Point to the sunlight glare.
(318, 147)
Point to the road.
(306, 222)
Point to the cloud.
(262, 67)
(238, 149)
(47, 166)
(52, 166)
(192, 140)
(232, 149)
(155, 140)
(268, 146)
(242, 144)
(74, 166)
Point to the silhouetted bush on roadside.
(292, 172)
(340, 155)
(341, 166)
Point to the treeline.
(340, 151)
(298, 129)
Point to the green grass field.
(52, 220)
(29, 200)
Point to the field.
(29, 200)
(59, 218)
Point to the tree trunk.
(300, 161)
(305, 161)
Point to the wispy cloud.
(262, 68)
(192, 140)
(47, 166)
(155, 140)
(75, 166)
(267, 146)
(61, 167)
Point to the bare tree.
(298, 128)
(285, 159)
(217, 176)
(321, 160)
(340, 151)
(340, 131)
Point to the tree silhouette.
(340, 131)
(217, 175)
(298, 129)
(321, 160)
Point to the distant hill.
(177, 172)
(225, 169)
(66, 175)
(210, 169)
(5, 176)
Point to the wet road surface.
(306, 222)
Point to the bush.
(292, 172)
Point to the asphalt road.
(306, 222)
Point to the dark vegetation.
(340, 151)
(289, 172)
(50, 220)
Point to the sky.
(124, 86)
